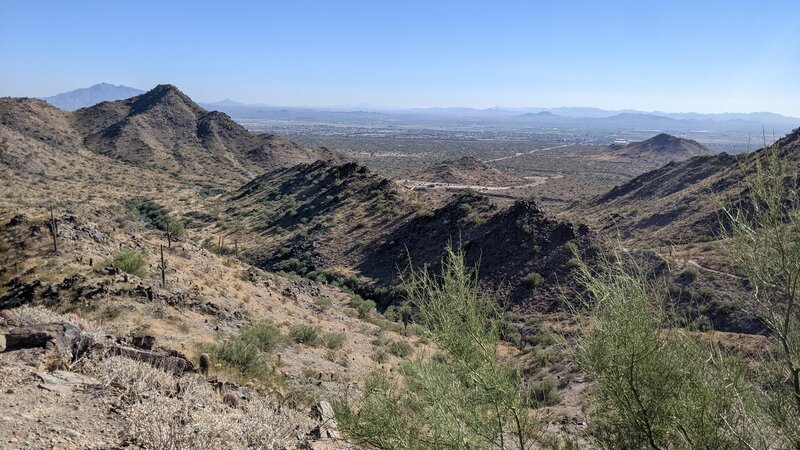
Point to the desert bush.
(380, 356)
(163, 422)
(656, 387)
(130, 261)
(362, 306)
(150, 211)
(31, 315)
(162, 412)
(465, 398)
(263, 425)
(132, 378)
(249, 352)
(401, 349)
(533, 280)
(543, 393)
(690, 273)
(333, 341)
(264, 335)
(174, 230)
(322, 302)
(762, 238)
(306, 334)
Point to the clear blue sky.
(704, 56)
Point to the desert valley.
(153, 231)
(406, 225)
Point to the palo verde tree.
(464, 397)
(762, 238)
(656, 386)
(174, 229)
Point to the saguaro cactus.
(54, 229)
(205, 363)
(163, 268)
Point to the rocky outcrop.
(59, 337)
(327, 428)
(66, 340)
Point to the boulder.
(145, 342)
(167, 360)
(51, 336)
(328, 428)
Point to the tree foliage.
(763, 241)
(656, 387)
(463, 397)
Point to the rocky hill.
(680, 201)
(661, 148)
(467, 170)
(522, 254)
(82, 98)
(347, 222)
(161, 129)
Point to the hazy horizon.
(678, 57)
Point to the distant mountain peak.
(163, 94)
(664, 138)
(662, 148)
(85, 97)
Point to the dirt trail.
(699, 266)
(694, 263)
(417, 184)
(517, 155)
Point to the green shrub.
(656, 387)
(380, 356)
(762, 239)
(364, 307)
(238, 354)
(690, 273)
(543, 393)
(306, 334)
(174, 230)
(150, 211)
(264, 335)
(130, 261)
(401, 349)
(466, 398)
(333, 341)
(527, 228)
(248, 353)
(322, 302)
(533, 280)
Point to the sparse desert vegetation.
(514, 278)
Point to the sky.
(674, 56)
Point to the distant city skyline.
(680, 56)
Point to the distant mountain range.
(82, 98)
(562, 118)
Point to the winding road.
(516, 155)
(418, 184)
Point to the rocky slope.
(467, 170)
(323, 218)
(681, 201)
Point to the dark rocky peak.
(526, 208)
(163, 95)
(664, 139)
